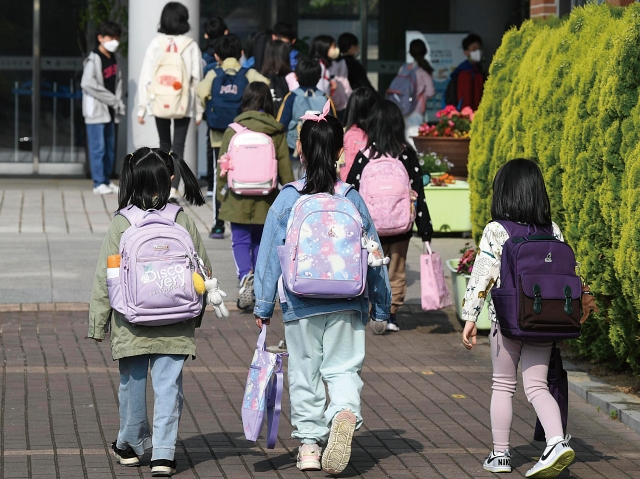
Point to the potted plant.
(449, 137)
(433, 166)
(460, 275)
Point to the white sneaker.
(309, 457)
(556, 456)
(498, 461)
(209, 194)
(378, 327)
(115, 189)
(245, 296)
(102, 190)
(393, 327)
(338, 451)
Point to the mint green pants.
(329, 348)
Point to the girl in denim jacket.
(325, 337)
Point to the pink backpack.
(354, 140)
(253, 167)
(386, 189)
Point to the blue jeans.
(101, 140)
(245, 244)
(166, 376)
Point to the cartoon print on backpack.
(375, 256)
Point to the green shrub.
(566, 93)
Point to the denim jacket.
(268, 271)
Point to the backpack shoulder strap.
(342, 188)
(133, 214)
(170, 211)
(243, 71)
(237, 127)
(298, 185)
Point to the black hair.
(358, 107)
(519, 194)
(385, 130)
(228, 46)
(285, 30)
(308, 72)
(255, 47)
(321, 144)
(215, 27)
(276, 58)
(469, 39)
(257, 96)
(319, 48)
(174, 19)
(145, 179)
(109, 29)
(418, 50)
(346, 41)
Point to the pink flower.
(468, 111)
(451, 123)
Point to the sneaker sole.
(245, 295)
(162, 471)
(130, 462)
(216, 235)
(379, 327)
(556, 467)
(338, 451)
(309, 465)
(496, 469)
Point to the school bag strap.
(516, 230)
(341, 188)
(135, 215)
(237, 127)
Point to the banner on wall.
(444, 52)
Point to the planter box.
(449, 207)
(455, 149)
(459, 283)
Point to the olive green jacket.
(252, 210)
(128, 339)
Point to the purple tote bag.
(263, 393)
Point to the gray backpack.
(402, 90)
(304, 101)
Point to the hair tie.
(321, 116)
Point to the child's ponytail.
(145, 179)
(192, 191)
(321, 142)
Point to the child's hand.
(141, 120)
(588, 303)
(469, 334)
(261, 321)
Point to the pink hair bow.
(321, 116)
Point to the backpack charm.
(225, 165)
(214, 298)
(375, 256)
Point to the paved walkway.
(425, 400)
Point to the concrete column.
(543, 8)
(144, 19)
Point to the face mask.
(111, 45)
(334, 53)
(476, 55)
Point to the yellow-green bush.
(566, 93)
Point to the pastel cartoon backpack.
(157, 269)
(251, 164)
(305, 101)
(402, 90)
(386, 189)
(323, 255)
(226, 97)
(539, 297)
(169, 88)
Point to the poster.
(444, 53)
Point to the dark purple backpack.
(539, 295)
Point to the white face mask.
(111, 45)
(333, 53)
(475, 55)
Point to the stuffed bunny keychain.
(375, 257)
(214, 294)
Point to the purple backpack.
(263, 393)
(402, 90)
(539, 298)
(323, 255)
(158, 259)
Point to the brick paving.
(425, 405)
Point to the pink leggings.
(505, 355)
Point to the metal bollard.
(73, 125)
(16, 136)
(55, 120)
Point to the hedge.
(565, 92)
